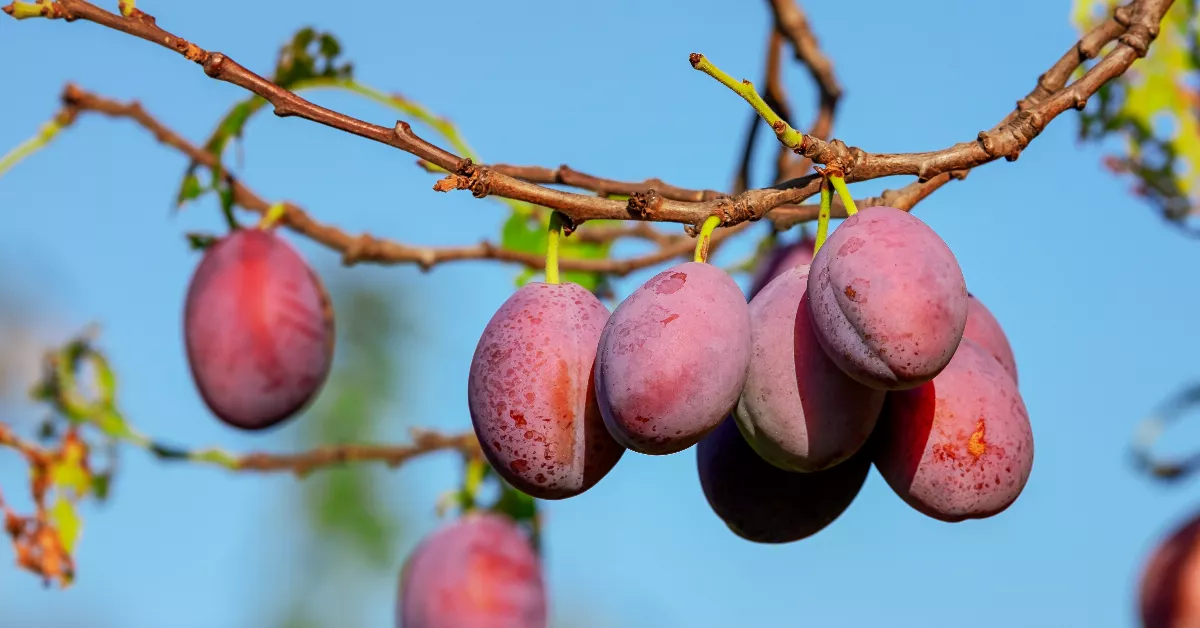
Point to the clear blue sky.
(606, 88)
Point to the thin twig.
(1006, 140)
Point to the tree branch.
(1005, 140)
(366, 247)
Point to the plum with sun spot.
(480, 571)
(258, 330)
(889, 301)
(958, 447)
(673, 359)
(531, 395)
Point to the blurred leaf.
(527, 233)
(1155, 109)
(310, 57)
(70, 471)
(201, 241)
(66, 522)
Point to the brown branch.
(1007, 139)
(365, 247)
(792, 23)
(328, 456)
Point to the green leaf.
(201, 241)
(525, 233)
(101, 483)
(189, 189)
(66, 521)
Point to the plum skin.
(762, 503)
(958, 447)
(1169, 591)
(531, 394)
(480, 571)
(984, 329)
(798, 409)
(889, 301)
(258, 330)
(780, 260)
(673, 358)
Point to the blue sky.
(605, 87)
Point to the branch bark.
(1139, 18)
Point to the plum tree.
(258, 330)
(861, 348)
(798, 409)
(531, 393)
(888, 299)
(765, 504)
(960, 446)
(673, 358)
(479, 571)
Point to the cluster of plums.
(871, 351)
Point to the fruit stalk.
(705, 238)
(552, 248)
(823, 215)
(843, 192)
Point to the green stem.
(787, 135)
(823, 215)
(553, 236)
(843, 192)
(47, 132)
(272, 217)
(24, 10)
(705, 237)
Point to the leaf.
(527, 234)
(69, 471)
(67, 522)
(1154, 109)
(189, 189)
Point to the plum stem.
(553, 236)
(705, 237)
(273, 215)
(823, 216)
(46, 133)
(476, 471)
(787, 135)
(843, 192)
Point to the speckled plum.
(531, 395)
(673, 359)
(984, 329)
(765, 504)
(1169, 595)
(959, 447)
(478, 572)
(258, 330)
(798, 410)
(889, 301)
(781, 259)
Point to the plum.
(765, 504)
(532, 396)
(673, 359)
(779, 260)
(889, 302)
(478, 572)
(958, 447)
(258, 330)
(985, 330)
(1169, 595)
(798, 410)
